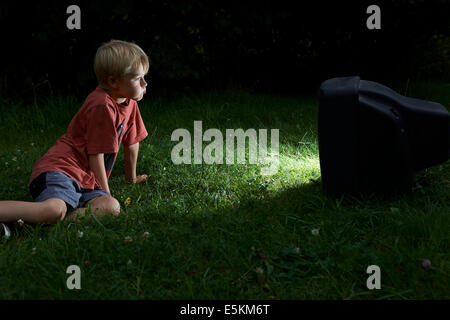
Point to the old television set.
(372, 139)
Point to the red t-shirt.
(99, 126)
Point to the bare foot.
(140, 178)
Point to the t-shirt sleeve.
(136, 128)
(101, 134)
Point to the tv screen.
(372, 139)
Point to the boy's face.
(132, 85)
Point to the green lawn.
(224, 231)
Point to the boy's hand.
(139, 179)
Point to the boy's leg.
(100, 206)
(57, 192)
(51, 210)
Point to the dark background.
(266, 46)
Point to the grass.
(224, 231)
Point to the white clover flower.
(128, 239)
(315, 232)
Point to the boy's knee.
(114, 206)
(53, 210)
(108, 204)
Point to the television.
(372, 139)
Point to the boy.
(74, 172)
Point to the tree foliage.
(267, 45)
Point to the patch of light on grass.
(309, 165)
(296, 170)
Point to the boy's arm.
(130, 154)
(97, 165)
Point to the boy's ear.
(113, 82)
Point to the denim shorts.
(54, 184)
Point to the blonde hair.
(118, 58)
